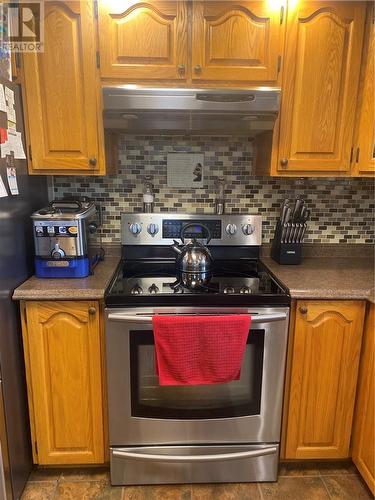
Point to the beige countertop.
(90, 288)
(316, 278)
(327, 278)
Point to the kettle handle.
(182, 235)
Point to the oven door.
(243, 411)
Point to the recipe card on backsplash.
(185, 170)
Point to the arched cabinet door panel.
(143, 40)
(325, 358)
(363, 159)
(364, 434)
(63, 362)
(320, 84)
(236, 41)
(62, 93)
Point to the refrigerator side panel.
(16, 265)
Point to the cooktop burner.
(160, 282)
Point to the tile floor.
(307, 481)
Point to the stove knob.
(136, 290)
(152, 229)
(57, 253)
(231, 229)
(153, 288)
(248, 229)
(228, 289)
(245, 289)
(135, 228)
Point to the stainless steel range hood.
(205, 111)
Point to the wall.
(342, 209)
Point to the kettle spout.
(176, 247)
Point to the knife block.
(285, 253)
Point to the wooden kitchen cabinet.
(363, 452)
(363, 159)
(320, 82)
(323, 378)
(62, 345)
(237, 41)
(176, 41)
(62, 94)
(143, 40)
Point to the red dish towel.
(195, 350)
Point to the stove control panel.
(162, 229)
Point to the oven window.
(235, 399)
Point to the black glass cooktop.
(160, 283)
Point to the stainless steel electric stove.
(217, 433)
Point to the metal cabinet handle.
(198, 68)
(194, 458)
(303, 309)
(284, 162)
(181, 68)
(92, 161)
(257, 318)
(92, 310)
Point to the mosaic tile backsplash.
(342, 210)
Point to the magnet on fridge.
(3, 135)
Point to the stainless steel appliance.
(206, 433)
(66, 238)
(209, 111)
(16, 265)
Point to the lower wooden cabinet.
(363, 452)
(323, 378)
(62, 344)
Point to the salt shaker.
(148, 195)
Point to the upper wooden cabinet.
(62, 95)
(203, 41)
(323, 380)
(363, 159)
(236, 41)
(364, 419)
(320, 83)
(62, 347)
(143, 40)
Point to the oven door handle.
(257, 318)
(271, 450)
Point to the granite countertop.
(316, 278)
(327, 278)
(90, 288)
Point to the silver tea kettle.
(193, 257)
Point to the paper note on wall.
(9, 99)
(3, 106)
(3, 190)
(12, 180)
(4, 147)
(15, 144)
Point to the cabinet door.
(327, 343)
(320, 82)
(62, 93)
(64, 368)
(236, 41)
(364, 436)
(143, 40)
(364, 145)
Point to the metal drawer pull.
(259, 318)
(195, 458)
